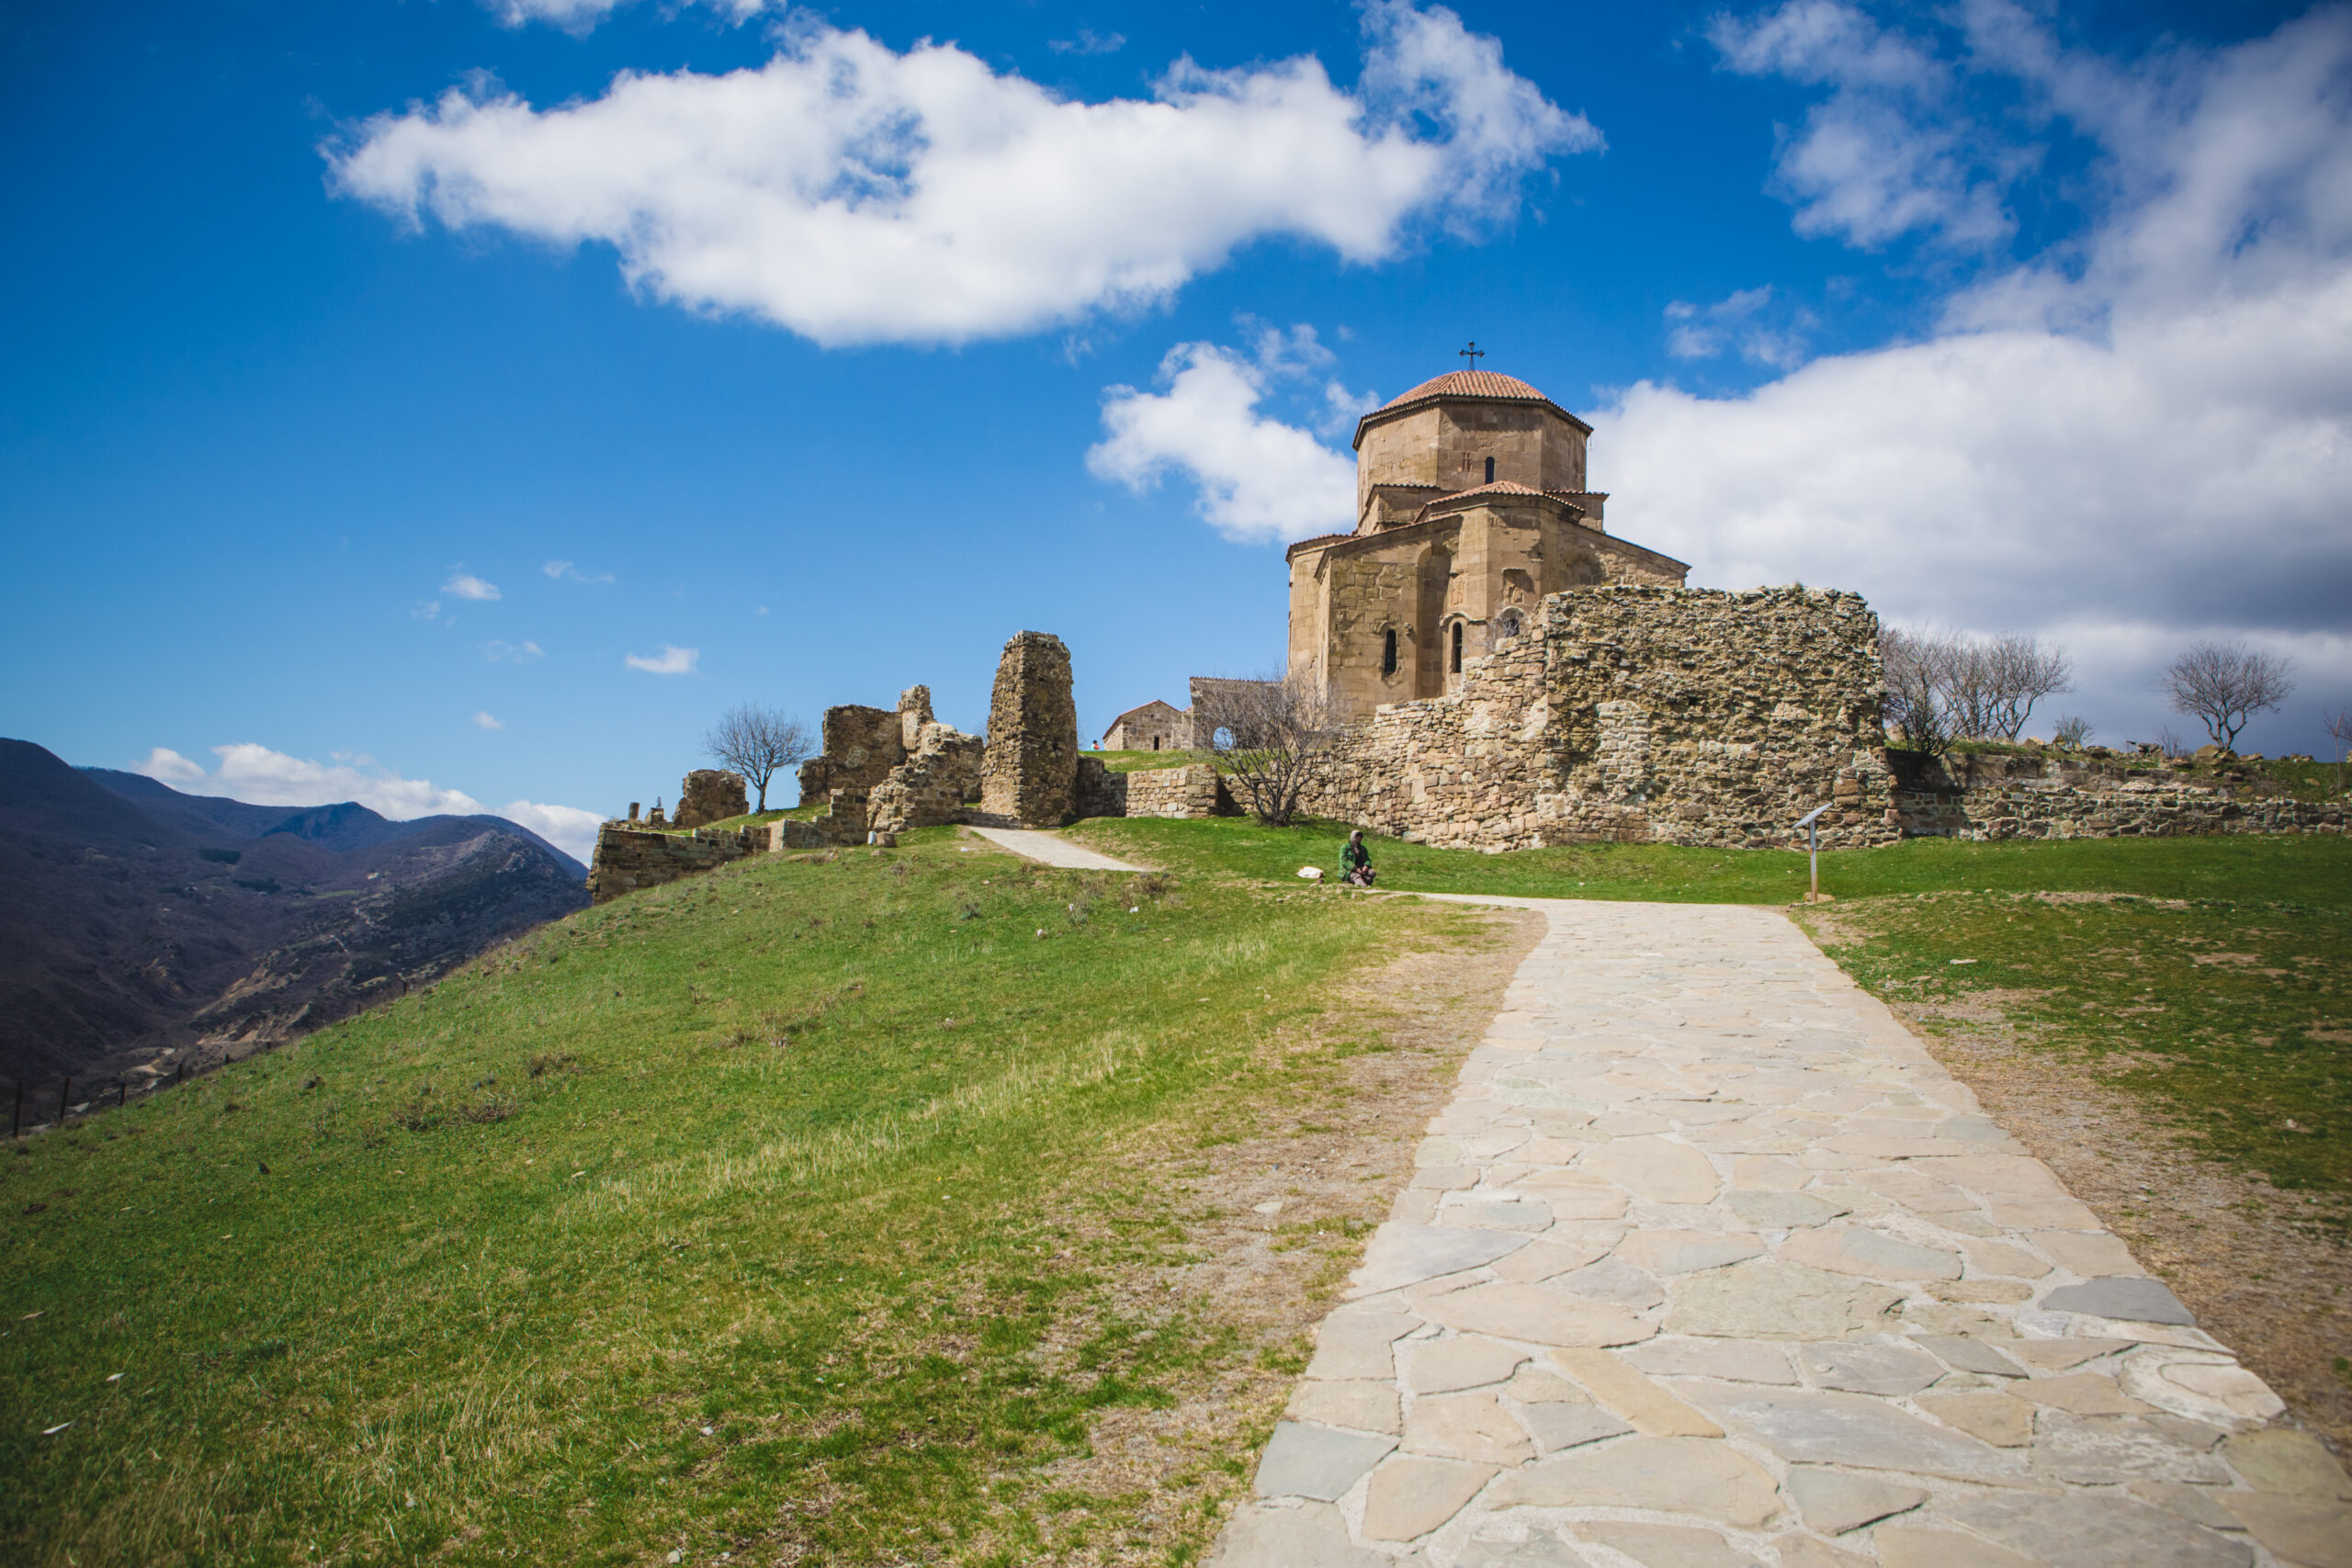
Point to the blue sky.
(397, 390)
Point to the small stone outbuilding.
(1155, 727)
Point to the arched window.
(1490, 470)
(1457, 647)
(1389, 651)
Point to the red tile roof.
(1469, 384)
(1489, 384)
(1499, 487)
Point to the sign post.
(1811, 823)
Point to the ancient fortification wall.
(1648, 715)
(2065, 796)
(1029, 775)
(711, 796)
(1188, 792)
(628, 859)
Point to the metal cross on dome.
(1473, 354)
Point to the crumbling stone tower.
(1029, 775)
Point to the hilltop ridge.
(139, 924)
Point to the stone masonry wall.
(1029, 773)
(709, 795)
(2067, 797)
(1188, 792)
(1648, 715)
(862, 745)
(626, 859)
(934, 785)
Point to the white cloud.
(465, 585)
(568, 827)
(260, 777)
(1701, 332)
(853, 193)
(1259, 477)
(581, 16)
(498, 651)
(1089, 41)
(671, 661)
(169, 766)
(1888, 152)
(484, 720)
(425, 610)
(569, 571)
(2142, 439)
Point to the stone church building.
(1507, 673)
(1471, 509)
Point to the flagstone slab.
(1406, 1255)
(1411, 1496)
(2136, 1299)
(1834, 1501)
(1710, 1264)
(1304, 1461)
(1536, 1315)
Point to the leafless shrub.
(2073, 732)
(1267, 735)
(1915, 700)
(1943, 687)
(755, 741)
(2012, 674)
(2339, 727)
(2222, 684)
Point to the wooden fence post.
(64, 1098)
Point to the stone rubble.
(1710, 1264)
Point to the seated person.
(1356, 862)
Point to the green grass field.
(774, 1208)
(2237, 1006)
(2231, 1017)
(784, 1210)
(2292, 869)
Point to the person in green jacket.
(1355, 861)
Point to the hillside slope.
(136, 921)
(820, 1210)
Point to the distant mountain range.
(140, 927)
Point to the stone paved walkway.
(1709, 1265)
(1052, 848)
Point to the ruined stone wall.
(2070, 797)
(627, 858)
(862, 745)
(1029, 773)
(1648, 715)
(934, 785)
(709, 795)
(1189, 792)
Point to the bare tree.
(2222, 684)
(2339, 726)
(1268, 736)
(755, 741)
(1915, 665)
(1943, 687)
(2016, 673)
(2073, 732)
